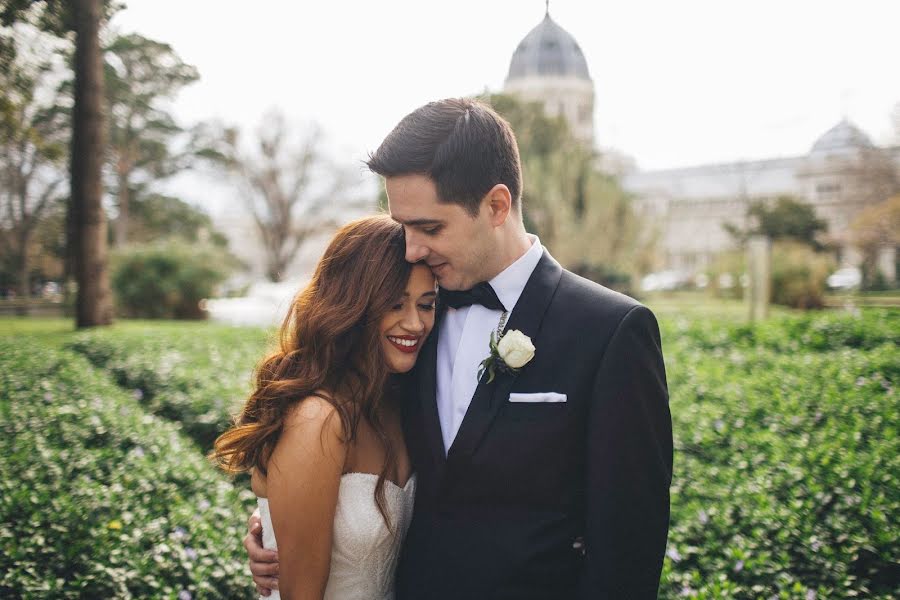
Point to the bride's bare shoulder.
(318, 411)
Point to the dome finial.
(547, 4)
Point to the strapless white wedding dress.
(363, 552)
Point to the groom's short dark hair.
(461, 144)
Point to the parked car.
(847, 278)
(664, 281)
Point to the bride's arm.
(304, 475)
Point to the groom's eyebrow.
(420, 222)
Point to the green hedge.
(99, 499)
(167, 280)
(787, 464)
(195, 374)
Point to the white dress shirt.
(464, 341)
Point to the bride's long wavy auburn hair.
(330, 347)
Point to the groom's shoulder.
(592, 300)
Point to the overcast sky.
(677, 82)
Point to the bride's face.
(405, 326)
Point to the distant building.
(843, 173)
(549, 67)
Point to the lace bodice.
(363, 553)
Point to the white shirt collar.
(510, 282)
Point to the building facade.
(842, 174)
(549, 67)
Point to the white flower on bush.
(516, 349)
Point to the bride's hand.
(263, 563)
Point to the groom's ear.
(498, 202)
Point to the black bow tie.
(482, 294)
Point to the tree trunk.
(121, 224)
(94, 302)
(24, 268)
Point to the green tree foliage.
(157, 216)
(582, 214)
(786, 219)
(86, 217)
(56, 17)
(140, 75)
(33, 148)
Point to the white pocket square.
(539, 397)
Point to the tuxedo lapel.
(490, 397)
(427, 396)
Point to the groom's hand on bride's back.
(263, 563)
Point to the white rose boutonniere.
(513, 351)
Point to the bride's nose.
(412, 321)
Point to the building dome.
(843, 137)
(548, 50)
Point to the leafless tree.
(290, 190)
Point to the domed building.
(842, 138)
(549, 67)
(843, 173)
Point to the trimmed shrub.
(99, 499)
(194, 374)
(167, 280)
(799, 274)
(787, 461)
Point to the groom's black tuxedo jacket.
(547, 500)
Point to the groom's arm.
(263, 563)
(629, 465)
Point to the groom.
(546, 482)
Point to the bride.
(321, 432)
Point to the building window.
(584, 113)
(827, 190)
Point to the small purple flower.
(190, 553)
(810, 594)
(139, 452)
(703, 517)
(719, 425)
(203, 504)
(184, 595)
(686, 591)
(673, 554)
(739, 566)
(139, 395)
(48, 397)
(179, 533)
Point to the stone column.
(759, 267)
(887, 257)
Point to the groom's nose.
(415, 251)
